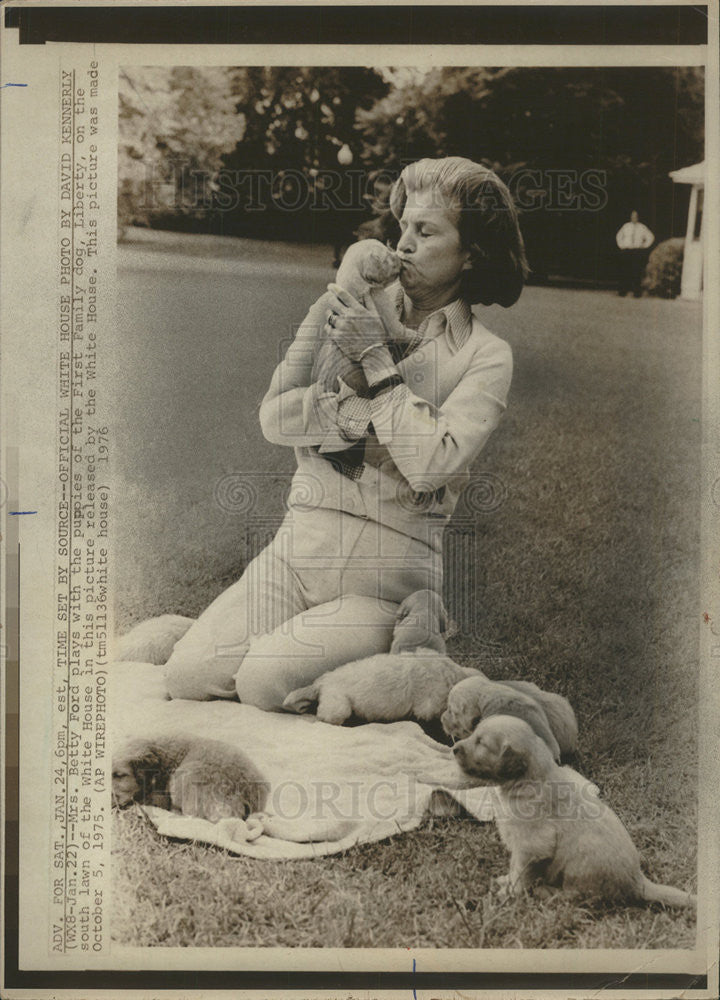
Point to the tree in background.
(640, 118)
(287, 151)
(579, 147)
(300, 117)
(175, 125)
(244, 149)
(298, 166)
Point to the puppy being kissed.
(476, 698)
(382, 688)
(194, 776)
(550, 819)
(367, 268)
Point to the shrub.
(664, 269)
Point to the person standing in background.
(634, 240)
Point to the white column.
(692, 212)
(691, 281)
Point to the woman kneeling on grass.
(378, 476)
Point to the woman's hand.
(350, 325)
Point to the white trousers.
(324, 592)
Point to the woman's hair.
(488, 224)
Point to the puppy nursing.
(197, 777)
(413, 679)
(382, 688)
(510, 733)
(550, 819)
(416, 679)
(420, 623)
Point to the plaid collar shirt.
(354, 416)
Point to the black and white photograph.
(411, 413)
(361, 468)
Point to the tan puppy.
(367, 268)
(196, 777)
(550, 819)
(420, 622)
(382, 688)
(559, 713)
(477, 697)
(152, 641)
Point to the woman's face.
(429, 247)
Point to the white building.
(692, 272)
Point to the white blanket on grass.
(331, 787)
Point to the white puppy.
(550, 819)
(152, 641)
(420, 623)
(478, 697)
(367, 268)
(559, 712)
(382, 688)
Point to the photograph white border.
(23, 312)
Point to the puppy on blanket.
(212, 781)
(476, 698)
(551, 820)
(197, 777)
(382, 688)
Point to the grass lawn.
(584, 579)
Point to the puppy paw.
(152, 641)
(255, 827)
(332, 718)
(301, 700)
(239, 830)
(334, 708)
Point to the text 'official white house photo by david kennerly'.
(406, 506)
